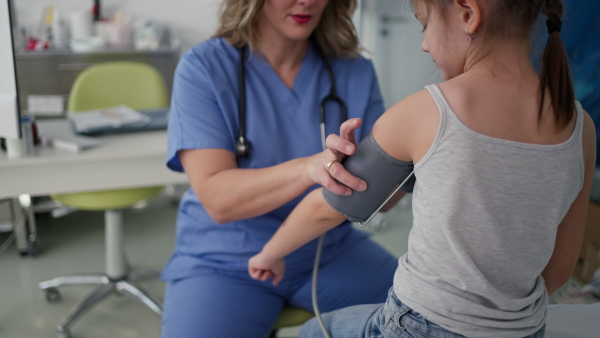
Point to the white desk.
(122, 161)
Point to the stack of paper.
(107, 118)
(59, 134)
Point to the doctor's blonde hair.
(335, 33)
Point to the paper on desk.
(67, 141)
(113, 117)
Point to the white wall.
(191, 20)
(395, 47)
(9, 126)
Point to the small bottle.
(59, 31)
(27, 132)
(34, 132)
(96, 11)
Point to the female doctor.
(268, 51)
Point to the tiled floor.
(74, 244)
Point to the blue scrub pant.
(227, 304)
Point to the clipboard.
(113, 121)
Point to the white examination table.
(573, 321)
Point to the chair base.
(126, 285)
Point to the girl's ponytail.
(556, 74)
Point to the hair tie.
(554, 26)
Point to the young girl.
(503, 159)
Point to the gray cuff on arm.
(382, 174)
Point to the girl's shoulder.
(408, 127)
(412, 108)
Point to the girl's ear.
(470, 15)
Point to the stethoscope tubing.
(243, 149)
(242, 144)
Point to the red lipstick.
(301, 18)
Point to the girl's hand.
(323, 171)
(262, 268)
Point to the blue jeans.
(390, 320)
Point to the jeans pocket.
(416, 326)
(392, 326)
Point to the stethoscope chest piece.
(242, 147)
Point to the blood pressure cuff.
(382, 173)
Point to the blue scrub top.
(281, 124)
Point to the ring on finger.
(329, 164)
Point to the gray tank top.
(486, 212)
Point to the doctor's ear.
(470, 15)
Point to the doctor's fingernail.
(348, 149)
(362, 186)
(348, 192)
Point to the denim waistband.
(398, 318)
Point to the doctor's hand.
(262, 268)
(325, 168)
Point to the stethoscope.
(242, 144)
(243, 149)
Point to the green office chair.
(290, 316)
(139, 86)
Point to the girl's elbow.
(563, 278)
(557, 280)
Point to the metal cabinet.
(53, 72)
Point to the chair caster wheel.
(52, 295)
(63, 334)
(32, 249)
